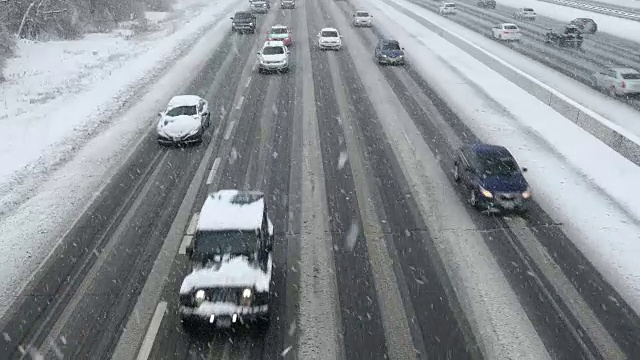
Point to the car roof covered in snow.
(508, 24)
(329, 29)
(232, 210)
(279, 27)
(184, 100)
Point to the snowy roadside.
(623, 28)
(60, 94)
(576, 178)
(102, 123)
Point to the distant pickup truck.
(243, 21)
(570, 37)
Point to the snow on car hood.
(275, 57)
(235, 272)
(178, 125)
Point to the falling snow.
(352, 236)
(286, 351)
(342, 159)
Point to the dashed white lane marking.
(186, 240)
(227, 133)
(214, 170)
(191, 229)
(248, 82)
(239, 105)
(152, 331)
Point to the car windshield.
(231, 242)
(391, 46)
(362, 14)
(511, 27)
(279, 31)
(182, 110)
(273, 50)
(528, 10)
(329, 34)
(492, 165)
(631, 76)
(449, 5)
(243, 15)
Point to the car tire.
(456, 173)
(473, 198)
(612, 91)
(208, 120)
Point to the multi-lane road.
(377, 254)
(599, 51)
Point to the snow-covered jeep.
(231, 256)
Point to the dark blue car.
(492, 177)
(389, 52)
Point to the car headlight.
(486, 193)
(246, 293)
(384, 56)
(526, 194)
(250, 24)
(200, 296)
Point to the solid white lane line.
(239, 105)
(216, 131)
(227, 133)
(152, 331)
(191, 229)
(186, 240)
(248, 82)
(214, 169)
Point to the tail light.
(624, 84)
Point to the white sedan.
(506, 32)
(525, 14)
(447, 9)
(362, 18)
(329, 38)
(184, 120)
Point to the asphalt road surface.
(364, 268)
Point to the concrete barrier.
(614, 136)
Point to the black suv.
(243, 21)
(585, 25)
(492, 177)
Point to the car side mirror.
(231, 18)
(402, 49)
(189, 250)
(258, 53)
(269, 247)
(160, 113)
(524, 169)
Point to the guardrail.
(620, 12)
(617, 138)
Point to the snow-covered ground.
(626, 3)
(627, 29)
(579, 180)
(74, 110)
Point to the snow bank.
(634, 4)
(627, 29)
(576, 178)
(30, 233)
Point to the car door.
(468, 169)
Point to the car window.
(225, 242)
(493, 164)
(273, 50)
(511, 27)
(391, 46)
(528, 9)
(182, 110)
(243, 15)
(630, 76)
(200, 106)
(279, 31)
(329, 34)
(362, 14)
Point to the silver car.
(618, 81)
(184, 120)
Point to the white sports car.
(184, 121)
